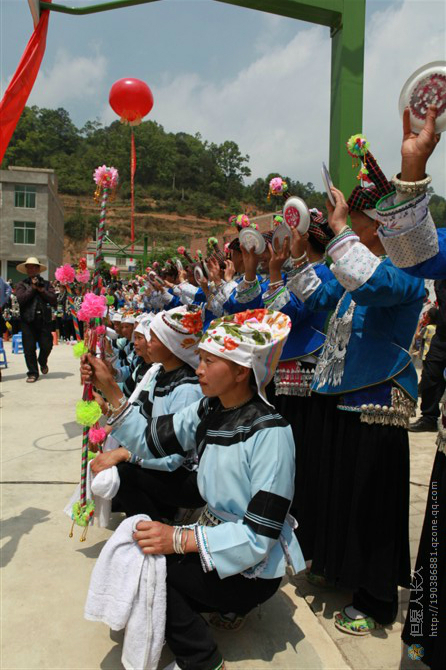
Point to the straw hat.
(30, 261)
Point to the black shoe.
(423, 425)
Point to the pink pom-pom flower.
(83, 276)
(114, 270)
(106, 176)
(96, 435)
(93, 307)
(65, 274)
(100, 330)
(181, 250)
(277, 186)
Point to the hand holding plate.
(416, 149)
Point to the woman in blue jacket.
(358, 478)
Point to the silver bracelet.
(411, 187)
(178, 542)
(301, 258)
(115, 410)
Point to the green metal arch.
(346, 20)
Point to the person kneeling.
(238, 552)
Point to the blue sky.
(232, 73)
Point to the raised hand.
(214, 270)
(278, 258)
(337, 215)
(416, 149)
(250, 262)
(299, 243)
(229, 270)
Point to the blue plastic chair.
(17, 344)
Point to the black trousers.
(432, 382)
(155, 492)
(383, 611)
(37, 331)
(191, 591)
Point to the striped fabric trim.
(206, 560)
(227, 438)
(162, 426)
(161, 391)
(266, 513)
(245, 294)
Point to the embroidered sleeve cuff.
(408, 232)
(188, 291)
(116, 421)
(303, 282)
(399, 217)
(215, 305)
(203, 549)
(247, 292)
(277, 299)
(355, 267)
(341, 244)
(227, 288)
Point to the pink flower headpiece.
(114, 270)
(65, 274)
(277, 187)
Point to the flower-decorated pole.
(66, 275)
(106, 180)
(88, 411)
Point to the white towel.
(128, 589)
(106, 483)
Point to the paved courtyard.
(45, 574)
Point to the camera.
(38, 281)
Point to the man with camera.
(35, 296)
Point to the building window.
(122, 262)
(25, 196)
(24, 232)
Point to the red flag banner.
(17, 93)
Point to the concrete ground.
(45, 574)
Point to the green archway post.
(346, 20)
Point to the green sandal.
(362, 626)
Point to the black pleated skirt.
(354, 517)
(296, 410)
(426, 617)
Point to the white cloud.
(277, 107)
(270, 108)
(70, 79)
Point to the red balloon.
(131, 99)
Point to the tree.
(232, 166)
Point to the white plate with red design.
(426, 86)
(297, 214)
